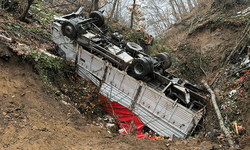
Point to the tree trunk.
(112, 11)
(184, 10)
(23, 15)
(96, 6)
(178, 7)
(196, 7)
(174, 11)
(195, 3)
(132, 16)
(190, 6)
(116, 13)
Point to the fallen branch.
(247, 26)
(191, 25)
(222, 126)
(131, 126)
(243, 47)
(201, 62)
(116, 117)
(235, 48)
(216, 76)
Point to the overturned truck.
(125, 74)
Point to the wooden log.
(222, 126)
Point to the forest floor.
(32, 119)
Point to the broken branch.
(216, 76)
(116, 117)
(201, 62)
(235, 48)
(222, 126)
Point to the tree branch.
(222, 126)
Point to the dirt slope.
(30, 119)
(201, 53)
(45, 123)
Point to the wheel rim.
(68, 30)
(138, 68)
(134, 46)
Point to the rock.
(4, 113)
(34, 128)
(4, 52)
(5, 95)
(217, 33)
(21, 117)
(16, 115)
(43, 129)
(208, 48)
(202, 147)
(7, 116)
(24, 120)
(5, 145)
(10, 111)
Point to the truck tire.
(69, 29)
(166, 58)
(140, 68)
(99, 18)
(151, 64)
(132, 47)
(170, 58)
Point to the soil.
(44, 123)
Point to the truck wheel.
(69, 30)
(166, 58)
(131, 47)
(99, 18)
(140, 68)
(170, 58)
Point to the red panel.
(124, 115)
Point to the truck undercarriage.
(128, 76)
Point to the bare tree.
(190, 6)
(116, 13)
(184, 10)
(196, 7)
(112, 11)
(178, 7)
(173, 8)
(132, 15)
(23, 15)
(195, 3)
(96, 4)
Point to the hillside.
(35, 89)
(215, 47)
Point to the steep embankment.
(30, 119)
(214, 47)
